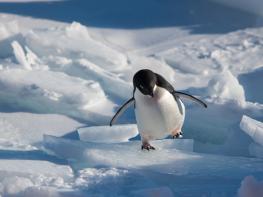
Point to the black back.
(162, 82)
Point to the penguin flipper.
(123, 108)
(188, 96)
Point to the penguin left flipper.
(122, 109)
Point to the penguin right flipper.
(123, 108)
(188, 96)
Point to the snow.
(66, 67)
(225, 86)
(21, 178)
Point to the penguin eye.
(141, 87)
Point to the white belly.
(158, 116)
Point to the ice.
(171, 156)
(253, 128)
(108, 154)
(20, 55)
(116, 133)
(19, 130)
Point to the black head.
(145, 80)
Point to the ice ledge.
(253, 128)
(127, 154)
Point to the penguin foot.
(147, 146)
(178, 135)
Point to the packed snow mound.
(116, 133)
(74, 40)
(53, 92)
(224, 87)
(253, 128)
(23, 130)
(8, 29)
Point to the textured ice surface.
(126, 154)
(173, 156)
(147, 170)
(21, 130)
(116, 133)
(20, 177)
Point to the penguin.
(159, 110)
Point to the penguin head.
(145, 81)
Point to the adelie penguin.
(159, 110)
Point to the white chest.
(157, 116)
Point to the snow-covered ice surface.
(26, 129)
(116, 133)
(65, 79)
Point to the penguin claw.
(178, 135)
(147, 147)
